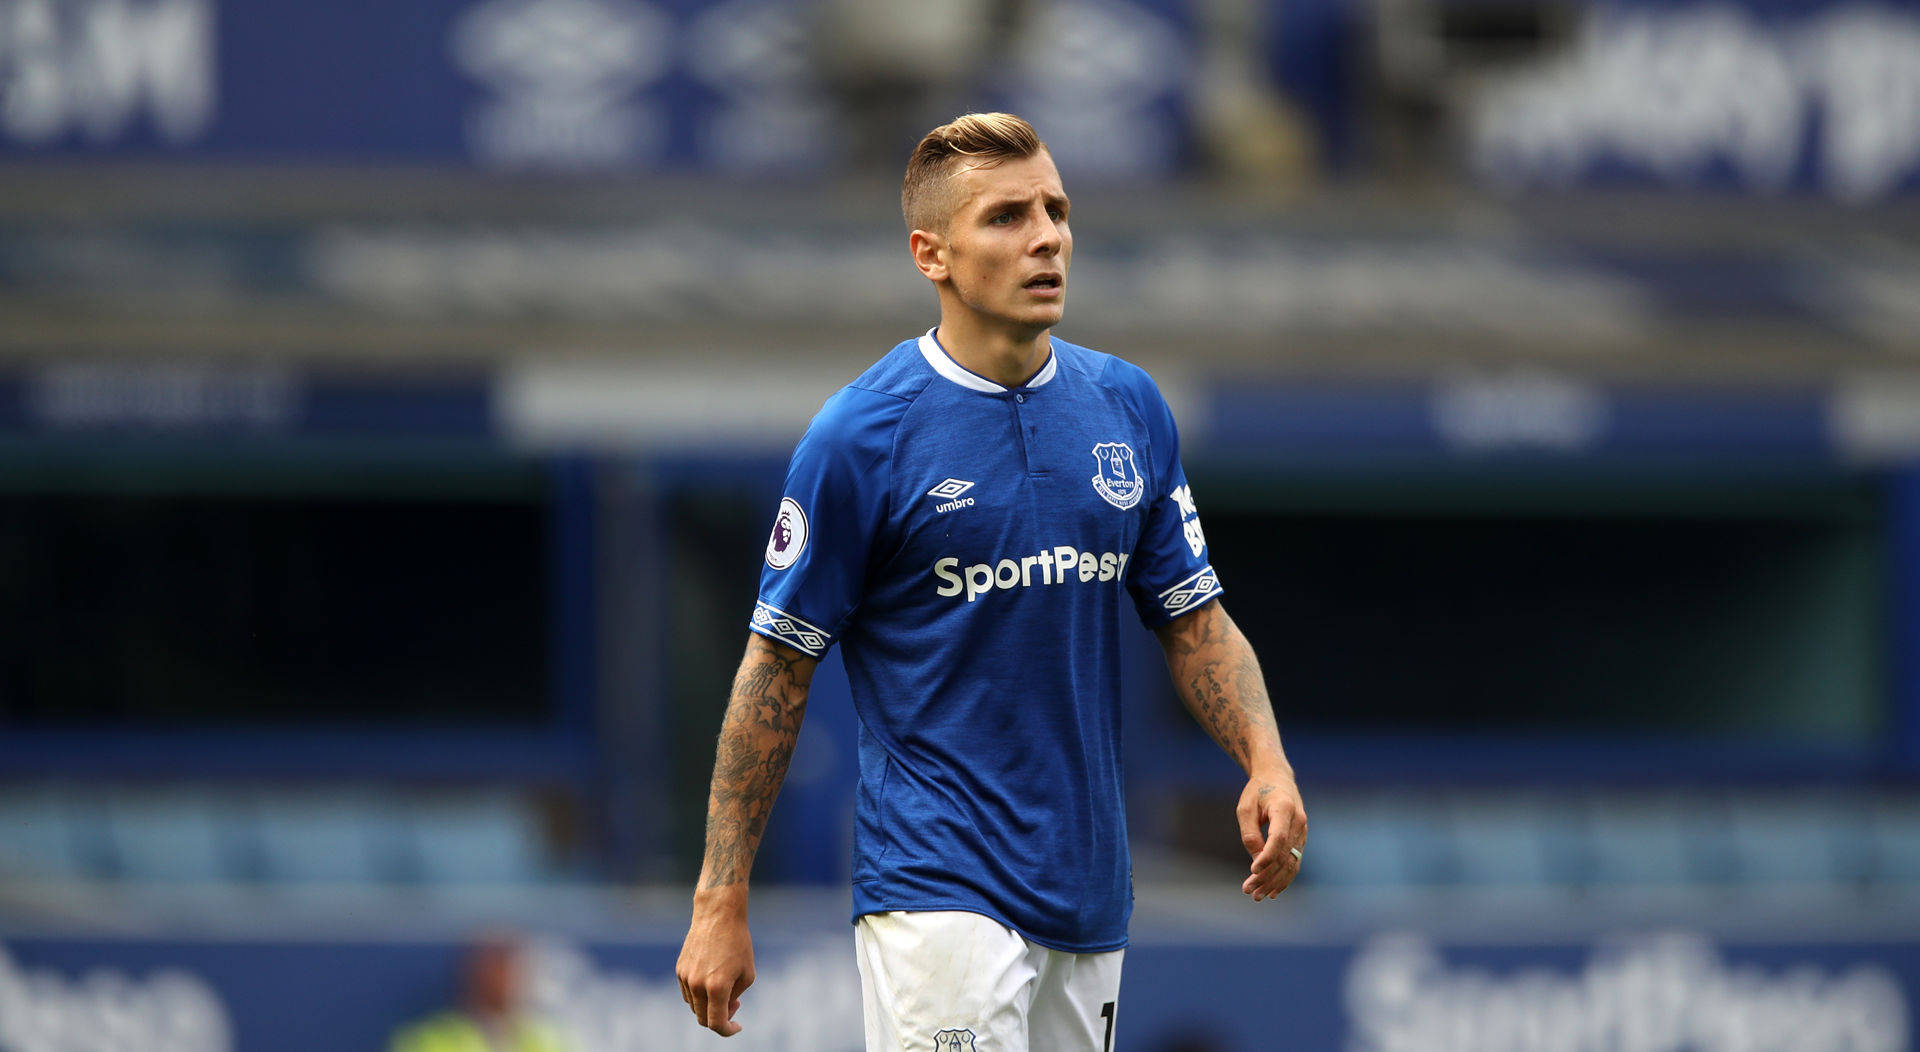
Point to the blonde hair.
(926, 194)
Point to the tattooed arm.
(1219, 680)
(756, 741)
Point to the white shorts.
(948, 981)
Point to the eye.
(1058, 215)
(1002, 219)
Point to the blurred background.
(394, 398)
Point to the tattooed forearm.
(1219, 679)
(756, 742)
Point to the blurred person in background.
(492, 1014)
(943, 522)
(1250, 132)
(891, 67)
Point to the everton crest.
(1119, 479)
(953, 1041)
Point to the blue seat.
(43, 835)
(1799, 838)
(1895, 831)
(1507, 842)
(492, 838)
(330, 838)
(1373, 842)
(1646, 840)
(175, 836)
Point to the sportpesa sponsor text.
(1056, 565)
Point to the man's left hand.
(1271, 802)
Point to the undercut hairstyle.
(927, 193)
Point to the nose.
(1047, 237)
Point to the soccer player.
(966, 520)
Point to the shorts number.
(1106, 1013)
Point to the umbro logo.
(949, 492)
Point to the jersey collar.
(944, 364)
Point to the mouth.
(1048, 283)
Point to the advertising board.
(1395, 991)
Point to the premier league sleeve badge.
(789, 537)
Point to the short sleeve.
(831, 509)
(1170, 571)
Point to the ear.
(929, 254)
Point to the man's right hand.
(716, 961)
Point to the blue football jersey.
(971, 548)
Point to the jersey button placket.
(1020, 434)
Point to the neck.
(1007, 357)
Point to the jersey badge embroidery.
(953, 1041)
(1118, 480)
(789, 537)
(1192, 591)
(949, 494)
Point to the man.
(965, 519)
(491, 1016)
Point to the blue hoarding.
(550, 85)
(1763, 96)
(1395, 991)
